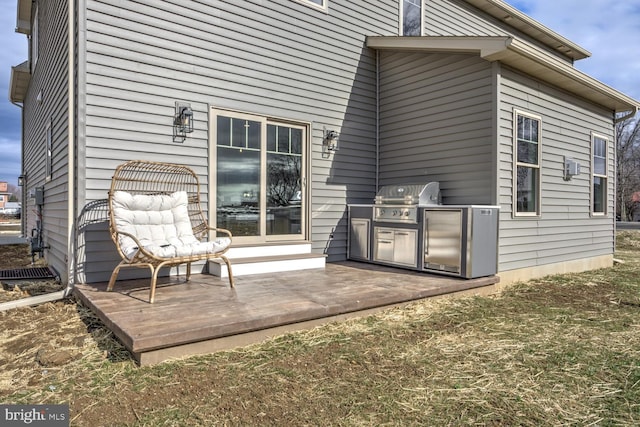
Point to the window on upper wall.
(411, 17)
(322, 4)
(49, 157)
(34, 40)
(527, 164)
(599, 174)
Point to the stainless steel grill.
(409, 194)
(399, 203)
(397, 222)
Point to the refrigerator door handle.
(426, 236)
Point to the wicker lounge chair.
(156, 220)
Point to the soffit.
(23, 21)
(525, 24)
(521, 56)
(19, 84)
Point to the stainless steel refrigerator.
(461, 240)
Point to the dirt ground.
(48, 346)
(340, 375)
(19, 256)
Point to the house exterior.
(635, 206)
(4, 194)
(470, 93)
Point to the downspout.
(377, 116)
(71, 195)
(23, 191)
(615, 184)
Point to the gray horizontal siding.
(49, 78)
(565, 230)
(458, 18)
(443, 18)
(435, 123)
(278, 59)
(286, 60)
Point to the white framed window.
(260, 181)
(599, 174)
(49, 148)
(320, 4)
(411, 17)
(526, 169)
(34, 40)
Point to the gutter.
(513, 17)
(627, 116)
(588, 87)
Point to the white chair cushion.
(161, 223)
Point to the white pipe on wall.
(377, 117)
(71, 195)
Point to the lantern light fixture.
(182, 121)
(330, 140)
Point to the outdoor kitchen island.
(408, 227)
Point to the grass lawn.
(561, 350)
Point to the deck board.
(206, 309)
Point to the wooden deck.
(204, 315)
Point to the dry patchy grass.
(561, 350)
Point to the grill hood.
(409, 194)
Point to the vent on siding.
(31, 273)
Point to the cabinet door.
(383, 244)
(405, 248)
(359, 239)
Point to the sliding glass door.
(260, 177)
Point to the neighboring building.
(470, 93)
(635, 200)
(4, 194)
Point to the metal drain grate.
(31, 273)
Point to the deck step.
(250, 251)
(267, 264)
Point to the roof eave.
(23, 19)
(19, 83)
(484, 46)
(518, 55)
(535, 62)
(529, 26)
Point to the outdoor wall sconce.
(21, 180)
(182, 121)
(331, 140)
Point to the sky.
(609, 29)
